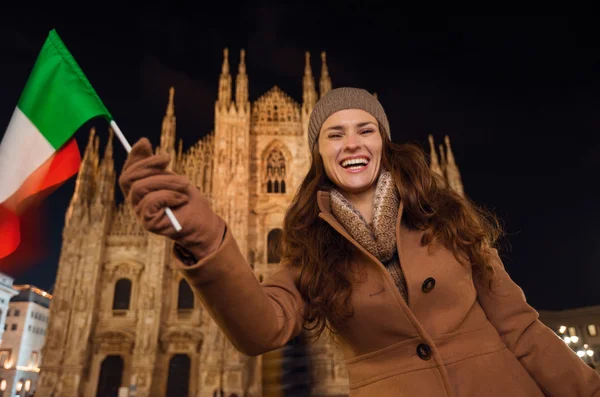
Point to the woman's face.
(350, 144)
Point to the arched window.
(122, 295)
(185, 296)
(111, 374)
(178, 380)
(274, 246)
(275, 172)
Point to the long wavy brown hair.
(323, 255)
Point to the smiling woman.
(374, 247)
(350, 146)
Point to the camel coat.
(455, 338)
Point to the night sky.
(519, 98)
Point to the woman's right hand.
(150, 188)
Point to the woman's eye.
(366, 131)
(334, 135)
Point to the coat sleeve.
(553, 365)
(255, 317)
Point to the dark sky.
(519, 97)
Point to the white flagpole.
(127, 147)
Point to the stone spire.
(241, 83)
(224, 99)
(95, 153)
(106, 174)
(309, 93)
(85, 183)
(325, 83)
(442, 160)
(171, 105)
(452, 172)
(107, 164)
(179, 158)
(167, 134)
(435, 165)
(89, 149)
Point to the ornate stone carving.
(197, 164)
(276, 161)
(445, 168)
(128, 269)
(124, 223)
(276, 108)
(181, 340)
(116, 341)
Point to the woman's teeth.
(354, 164)
(355, 167)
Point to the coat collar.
(324, 203)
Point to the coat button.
(428, 284)
(424, 351)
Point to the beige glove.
(149, 188)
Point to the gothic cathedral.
(123, 317)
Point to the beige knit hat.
(340, 99)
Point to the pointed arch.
(185, 296)
(111, 376)
(122, 295)
(276, 160)
(274, 246)
(178, 378)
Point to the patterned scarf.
(379, 238)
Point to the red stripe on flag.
(9, 230)
(33, 248)
(64, 165)
(47, 178)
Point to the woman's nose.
(352, 142)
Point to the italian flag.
(38, 152)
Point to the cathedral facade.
(122, 316)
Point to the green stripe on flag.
(58, 98)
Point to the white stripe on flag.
(22, 150)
